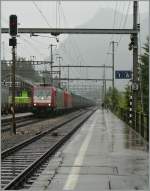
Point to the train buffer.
(104, 154)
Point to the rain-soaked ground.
(104, 154)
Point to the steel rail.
(20, 123)
(8, 119)
(13, 149)
(33, 166)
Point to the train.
(41, 98)
(47, 98)
(5, 106)
(23, 95)
(22, 100)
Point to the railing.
(140, 121)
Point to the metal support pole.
(59, 74)
(104, 85)
(13, 90)
(51, 64)
(3, 50)
(68, 77)
(0, 54)
(147, 128)
(135, 57)
(59, 57)
(113, 62)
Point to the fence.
(140, 122)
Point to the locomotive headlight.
(49, 104)
(34, 104)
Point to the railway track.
(20, 122)
(7, 119)
(20, 162)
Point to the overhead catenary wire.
(125, 21)
(59, 5)
(31, 45)
(114, 19)
(41, 13)
(74, 44)
(64, 49)
(112, 36)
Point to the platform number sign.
(123, 74)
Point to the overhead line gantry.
(58, 31)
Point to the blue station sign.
(123, 74)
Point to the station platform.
(104, 154)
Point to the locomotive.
(5, 106)
(46, 98)
(22, 100)
(23, 95)
(40, 98)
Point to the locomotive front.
(43, 99)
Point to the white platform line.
(74, 173)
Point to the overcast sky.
(52, 14)
(76, 13)
(64, 14)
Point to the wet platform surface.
(103, 155)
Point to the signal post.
(13, 43)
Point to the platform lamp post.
(13, 43)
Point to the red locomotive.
(48, 98)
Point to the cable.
(125, 21)
(41, 13)
(68, 53)
(73, 43)
(31, 45)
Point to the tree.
(144, 66)
(26, 70)
(113, 98)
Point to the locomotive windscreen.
(42, 93)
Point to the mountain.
(93, 49)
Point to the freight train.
(46, 98)
(41, 98)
